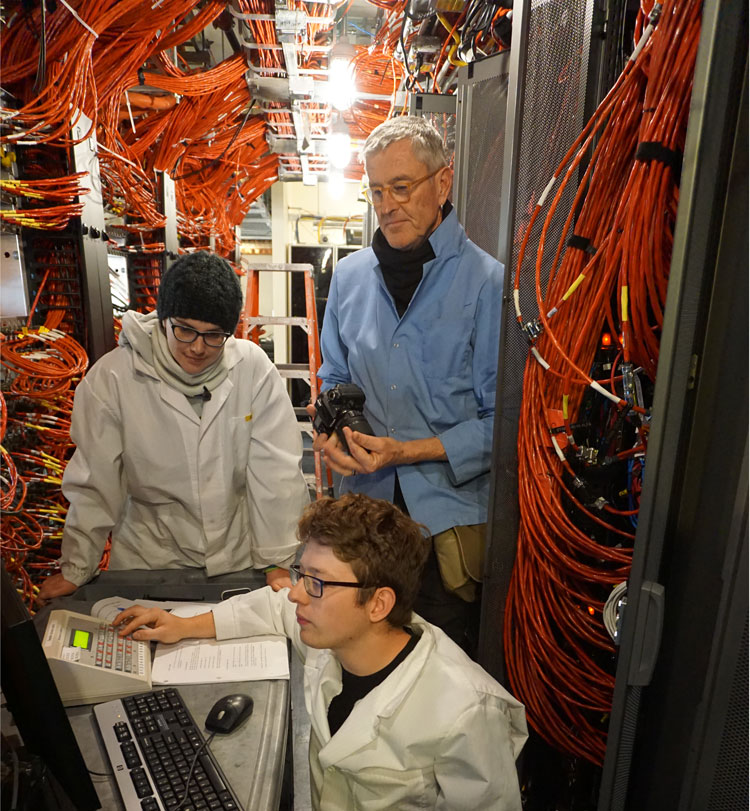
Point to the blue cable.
(369, 33)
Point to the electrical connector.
(532, 329)
(589, 455)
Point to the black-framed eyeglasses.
(400, 191)
(187, 335)
(314, 585)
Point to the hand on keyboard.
(158, 625)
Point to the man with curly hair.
(401, 717)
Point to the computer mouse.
(229, 712)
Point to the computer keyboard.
(151, 740)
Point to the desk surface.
(252, 758)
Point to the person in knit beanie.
(188, 450)
(201, 286)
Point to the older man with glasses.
(188, 450)
(400, 717)
(414, 321)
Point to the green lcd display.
(81, 639)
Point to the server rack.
(678, 735)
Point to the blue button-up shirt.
(432, 372)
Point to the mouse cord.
(198, 751)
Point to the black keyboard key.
(149, 804)
(141, 783)
(122, 732)
(130, 755)
(213, 775)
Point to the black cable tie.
(648, 151)
(141, 77)
(582, 243)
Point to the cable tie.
(648, 151)
(582, 243)
(82, 22)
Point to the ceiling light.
(341, 89)
(339, 144)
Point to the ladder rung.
(280, 267)
(260, 320)
(294, 370)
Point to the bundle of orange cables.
(583, 434)
(42, 362)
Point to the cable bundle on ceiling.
(404, 46)
(89, 56)
(583, 433)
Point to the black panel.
(676, 738)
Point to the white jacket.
(223, 492)
(438, 733)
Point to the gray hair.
(425, 140)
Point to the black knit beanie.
(201, 286)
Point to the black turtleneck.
(402, 270)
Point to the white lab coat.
(438, 733)
(223, 492)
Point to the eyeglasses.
(187, 335)
(401, 192)
(314, 585)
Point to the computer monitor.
(33, 700)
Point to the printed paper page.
(200, 661)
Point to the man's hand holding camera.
(340, 426)
(366, 453)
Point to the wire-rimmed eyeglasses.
(187, 335)
(314, 585)
(401, 191)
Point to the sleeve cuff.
(77, 576)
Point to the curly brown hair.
(383, 545)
